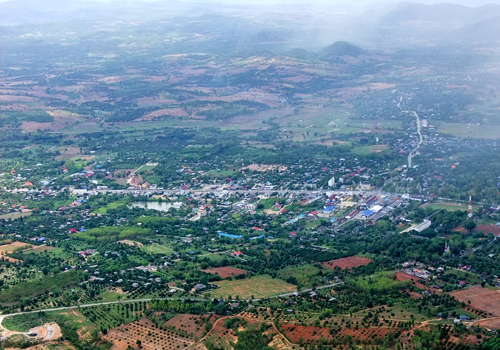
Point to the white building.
(331, 182)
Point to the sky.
(471, 3)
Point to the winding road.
(149, 299)
(421, 140)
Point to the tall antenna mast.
(470, 206)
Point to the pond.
(160, 206)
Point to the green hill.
(341, 48)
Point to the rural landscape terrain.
(202, 176)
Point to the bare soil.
(480, 298)
(226, 271)
(347, 263)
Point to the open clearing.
(259, 287)
(487, 229)
(12, 247)
(491, 324)
(482, 299)
(158, 249)
(226, 271)
(347, 263)
(400, 276)
(297, 333)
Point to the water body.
(160, 206)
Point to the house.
(73, 230)
(41, 239)
(237, 253)
(200, 286)
(234, 305)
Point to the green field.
(483, 131)
(306, 275)
(32, 288)
(262, 286)
(112, 205)
(373, 149)
(15, 215)
(158, 249)
(450, 207)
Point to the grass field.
(483, 131)
(158, 249)
(306, 275)
(112, 205)
(262, 286)
(366, 150)
(15, 215)
(450, 207)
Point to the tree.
(470, 225)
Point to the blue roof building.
(329, 209)
(227, 235)
(367, 213)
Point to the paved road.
(148, 299)
(421, 140)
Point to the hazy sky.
(472, 3)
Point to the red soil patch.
(151, 337)
(225, 272)
(487, 229)
(480, 298)
(491, 324)
(311, 334)
(400, 276)
(414, 295)
(347, 263)
(193, 325)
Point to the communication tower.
(470, 206)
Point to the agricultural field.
(262, 286)
(225, 272)
(144, 333)
(480, 298)
(311, 334)
(192, 325)
(13, 247)
(347, 263)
